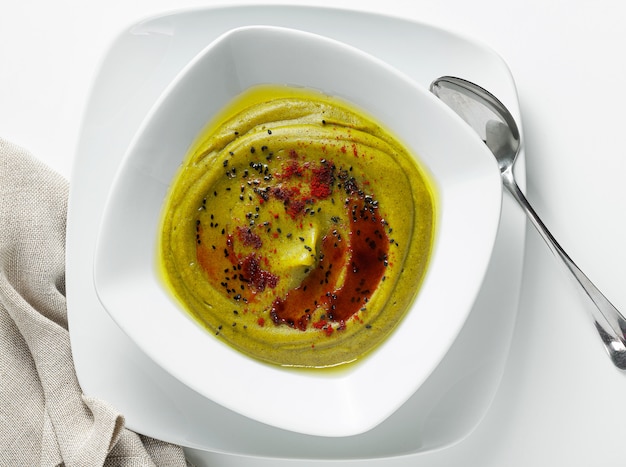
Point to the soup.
(297, 230)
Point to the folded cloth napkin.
(45, 420)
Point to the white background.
(561, 401)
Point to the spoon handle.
(609, 322)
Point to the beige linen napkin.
(45, 420)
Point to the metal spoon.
(497, 127)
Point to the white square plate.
(140, 64)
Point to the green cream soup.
(297, 229)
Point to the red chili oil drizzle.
(202, 252)
(296, 308)
(365, 258)
(369, 245)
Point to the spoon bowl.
(496, 126)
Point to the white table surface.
(561, 401)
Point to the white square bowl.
(469, 201)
